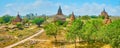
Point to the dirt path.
(24, 40)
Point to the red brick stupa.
(17, 19)
(72, 17)
(107, 20)
(59, 15)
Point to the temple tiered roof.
(72, 17)
(59, 15)
(105, 14)
(17, 19)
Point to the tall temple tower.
(17, 19)
(105, 14)
(72, 17)
(107, 20)
(59, 15)
(59, 11)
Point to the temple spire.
(59, 15)
(59, 11)
(18, 14)
(17, 19)
(72, 18)
(73, 15)
(107, 20)
(104, 10)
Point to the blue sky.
(49, 7)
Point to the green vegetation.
(110, 34)
(19, 25)
(93, 16)
(101, 17)
(52, 30)
(86, 31)
(86, 17)
(93, 31)
(6, 18)
(90, 30)
(1, 20)
(73, 31)
(38, 21)
(59, 22)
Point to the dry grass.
(12, 36)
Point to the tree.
(59, 22)
(38, 21)
(26, 22)
(1, 20)
(89, 30)
(73, 30)
(110, 34)
(93, 16)
(6, 18)
(86, 17)
(19, 26)
(65, 24)
(52, 30)
(102, 17)
(30, 16)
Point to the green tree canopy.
(86, 17)
(6, 18)
(73, 30)
(111, 34)
(51, 30)
(1, 20)
(38, 21)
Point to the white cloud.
(9, 5)
(48, 7)
(95, 9)
(37, 3)
(13, 8)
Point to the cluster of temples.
(61, 16)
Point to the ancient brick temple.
(104, 14)
(59, 15)
(72, 17)
(17, 19)
(107, 20)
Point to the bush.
(93, 16)
(7, 18)
(86, 17)
(59, 22)
(38, 21)
(19, 26)
(111, 34)
(102, 17)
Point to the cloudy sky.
(50, 7)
